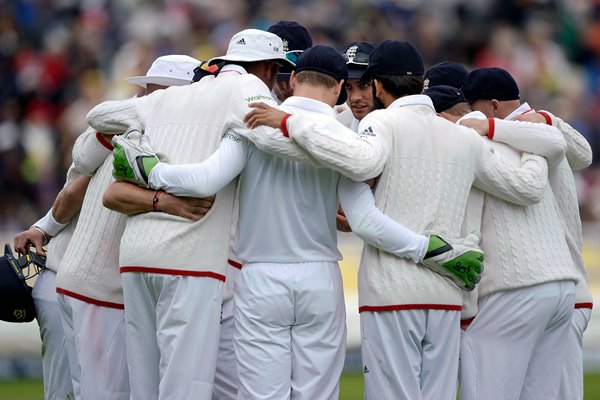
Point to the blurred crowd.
(60, 58)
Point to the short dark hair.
(316, 78)
(401, 85)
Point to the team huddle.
(192, 253)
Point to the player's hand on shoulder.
(32, 237)
(263, 114)
(480, 125)
(531, 116)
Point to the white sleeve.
(522, 184)
(265, 138)
(579, 151)
(272, 141)
(89, 152)
(206, 178)
(115, 117)
(359, 156)
(540, 139)
(372, 226)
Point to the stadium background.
(59, 58)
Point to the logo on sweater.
(258, 97)
(367, 132)
(233, 137)
(366, 370)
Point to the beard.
(377, 104)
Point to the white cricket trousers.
(410, 354)
(515, 346)
(55, 361)
(95, 339)
(172, 335)
(226, 379)
(290, 331)
(571, 384)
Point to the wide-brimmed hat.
(170, 70)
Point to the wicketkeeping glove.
(133, 157)
(460, 260)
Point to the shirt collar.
(233, 68)
(522, 109)
(413, 100)
(309, 105)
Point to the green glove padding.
(133, 157)
(459, 260)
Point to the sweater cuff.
(284, 125)
(547, 116)
(491, 128)
(104, 142)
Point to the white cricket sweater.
(562, 182)
(186, 123)
(523, 245)
(424, 185)
(89, 269)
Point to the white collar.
(522, 109)
(309, 105)
(233, 68)
(413, 100)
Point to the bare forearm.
(70, 199)
(128, 198)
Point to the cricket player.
(360, 93)
(55, 229)
(169, 264)
(295, 38)
(88, 282)
(399, 298)
(525, 302)
(445, 73)
(302, 344)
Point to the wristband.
(546, 116)
(49, 225)
(284, 125)
(155, 200)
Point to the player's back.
(424, 185)
(187, 124)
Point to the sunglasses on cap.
(293, 55)
(203, 70)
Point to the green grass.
(351, 388)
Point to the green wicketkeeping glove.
(459, 260)
(133, 157)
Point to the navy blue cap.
(328, 61)
(446, 73)
(293, 35)
(392, 57)
(444, 97)
(357, 58)
(490, 83)
(295, 38)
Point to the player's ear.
(293, 80)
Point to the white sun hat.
(170, 70)
(254, 45)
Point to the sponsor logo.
(237, 139)
(20, 314)
(351, 53)
(241, 41)
(366, 370)
(258, 97)
(285, 45)
(367, 132)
